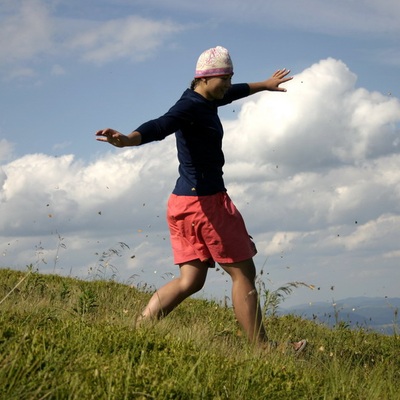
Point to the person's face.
(215, 87)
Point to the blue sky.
(314, 171)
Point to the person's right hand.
(113, 137)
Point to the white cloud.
(51, 190)
(322, 120)
(133, 37)
(26, 32)
(35, 28)
(314, 171)
(376, 235)
(6, 150)
(32, 29)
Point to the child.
(205, 226)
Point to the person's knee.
(197, 286)
(192, 286)
(249, 271)
(241, 270)
(192, 276)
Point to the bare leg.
(192, 277)
(247, 306)
(245, 299)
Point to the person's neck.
(200, 90)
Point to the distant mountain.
(373, 313)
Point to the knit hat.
(214, 62)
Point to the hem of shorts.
(186, 260)
(219, 261)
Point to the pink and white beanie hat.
(214, 62)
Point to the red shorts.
(209, 228)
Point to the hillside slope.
(62, 338)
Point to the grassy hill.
(63, 338)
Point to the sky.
(314, 171)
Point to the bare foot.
(298, 347)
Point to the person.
(205, 226)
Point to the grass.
(63, 338)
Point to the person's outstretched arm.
(272, 83)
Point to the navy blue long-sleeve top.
(199, 132)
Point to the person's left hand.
(280, 76)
